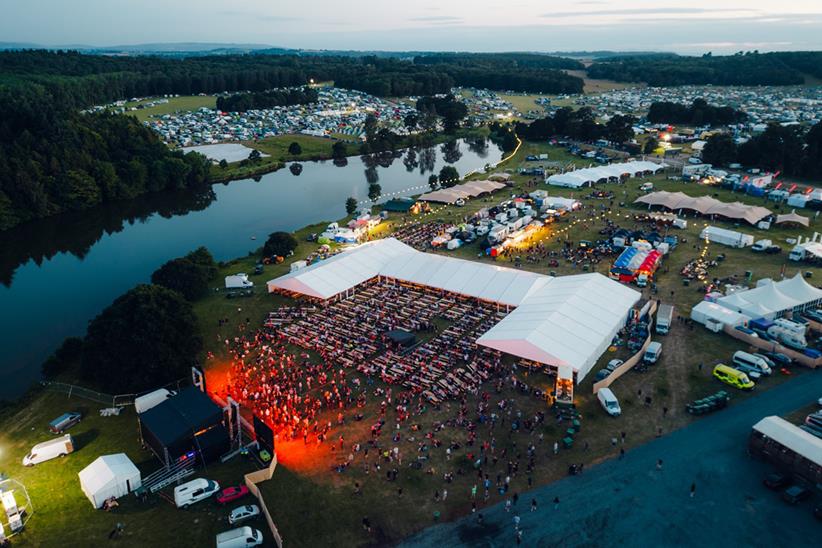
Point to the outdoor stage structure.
(559, 322)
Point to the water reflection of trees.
(78, 232)
(451, 152)
(428, 159)
(371, 175)
(295, 169)
(478, 146)
(410, 160)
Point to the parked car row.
(791, 493)
(200, 489)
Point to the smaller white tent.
(706, 310)
(109, 476)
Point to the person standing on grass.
(366, 524)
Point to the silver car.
(243, 513)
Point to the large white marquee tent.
(591, 175)
(569, 321)
(558, 321)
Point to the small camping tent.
(109, 476)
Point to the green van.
(733, 377)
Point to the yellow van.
(733, 377)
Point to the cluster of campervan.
(201, 489)
(791, 333)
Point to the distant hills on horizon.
(216, 48)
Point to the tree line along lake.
(58, 273)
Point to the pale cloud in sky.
(475, 25)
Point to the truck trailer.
(664, 318)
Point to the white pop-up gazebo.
(109, 476)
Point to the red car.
(230, 494)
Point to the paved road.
(630, 503)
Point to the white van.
(241, 536)
(653, 352)
(194, 491)
(609, 402)
(749, 360)
(48, 450)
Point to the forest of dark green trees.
(742, 69)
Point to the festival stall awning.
(705, 205)
(792, 217)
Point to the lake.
(59, 273)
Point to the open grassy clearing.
(62, 513)
(305, 479)
(183, 103)
(593, 85)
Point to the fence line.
(251, 481)
(116, 400)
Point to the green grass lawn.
(305, 479)
(175, 104)
(63, 516)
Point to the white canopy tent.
(569, 321)
(706, 310)
(588, 176)
(109, 476)
(773, 299)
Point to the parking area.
(631, 502)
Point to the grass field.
(593, 85)
(63, 516)
(305, 478)
(175, 104)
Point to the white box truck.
(664, 317)
(48, 450)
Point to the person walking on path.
(533, 505)
(659, 464)
(556, 503)
(693, 489)
(621, 453)
(516, 522)
(508, 505)
(519, 531)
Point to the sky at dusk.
(690, 27)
